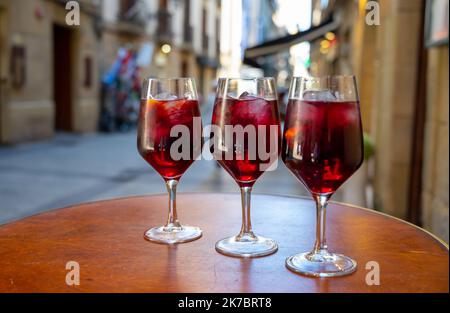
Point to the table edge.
(433, 236)
(439, 240)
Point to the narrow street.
(70, 169)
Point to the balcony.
(205, 44)
(164, 31)
(133, 12)
(188, 35)
(131, 19)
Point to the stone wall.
(397, 48)
(27, 113)
(3, 65)
(385, 59)
(435, 206)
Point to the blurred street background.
(69, 94)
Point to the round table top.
(106, 239)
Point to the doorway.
(62, 77)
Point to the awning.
(284, 43)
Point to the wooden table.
(106, 239)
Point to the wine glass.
(322, 147)
(169, 139)
(246, 144)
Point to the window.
(163, 4)
(187, 29)
(125, 6)
(204, 33)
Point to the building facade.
(47, 72)
(258, 26)
(51, 72)
(403, 87)
(188, 30)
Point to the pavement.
(71, 169)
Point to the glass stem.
(320, 246)
(246, 229)
(172, 218)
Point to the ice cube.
(247, 96)
(189, 96)
(165, 96)
(231, 96)
(244, 95)
(318, 95)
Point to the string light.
(325, 44)
(330, 36)
(166, 48)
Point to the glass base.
(173, 235)
(322, 264)
(247, 246)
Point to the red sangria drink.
(322, 147)
(323, 143)
(245, 163)
(246, 132)
(169, 139)
(158, 118)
